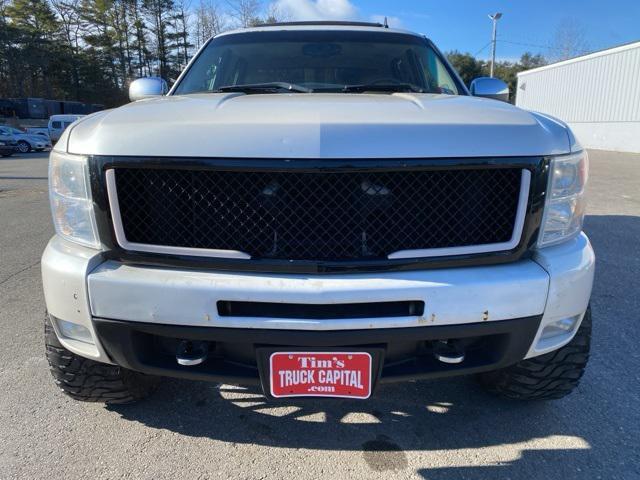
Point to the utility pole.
(495, 17)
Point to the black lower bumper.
(237, 355)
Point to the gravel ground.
(446, 429)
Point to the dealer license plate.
(320, 374)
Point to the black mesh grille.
(346, 215)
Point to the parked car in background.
(28, 141)
(59, 123)
(8, 143)
(5, 149)
(42, 131)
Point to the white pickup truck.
(316, 209)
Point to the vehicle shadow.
(569, 438)
(430, 417)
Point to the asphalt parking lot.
(445, 429)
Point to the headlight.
(70, 197)
(565, 204)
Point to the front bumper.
(503, 307)
(240, 355)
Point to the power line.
(479, 51)
(547, 47)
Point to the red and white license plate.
(320, 374)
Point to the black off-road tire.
(547, 377)
(88, 381)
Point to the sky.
(526, 25)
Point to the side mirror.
(490, 88)
(147, 88)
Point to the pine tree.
(36, 30)
(90, 50)
(158, 13)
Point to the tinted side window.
(66, 124)
(56, 125)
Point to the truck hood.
(399, 125)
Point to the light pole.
(495, 17)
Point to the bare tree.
(69, 15)
(276, 14)
(569, 41)
(245, 12)
(210, 21)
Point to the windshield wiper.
(270, 87)
(380, 87)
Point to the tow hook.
(190, 353)
(448, 352)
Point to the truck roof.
(321, 25)
(326, 22)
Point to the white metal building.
(598, 95)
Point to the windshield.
(319, 61)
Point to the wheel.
(88, 381)
(547, 377)
(23, 147)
